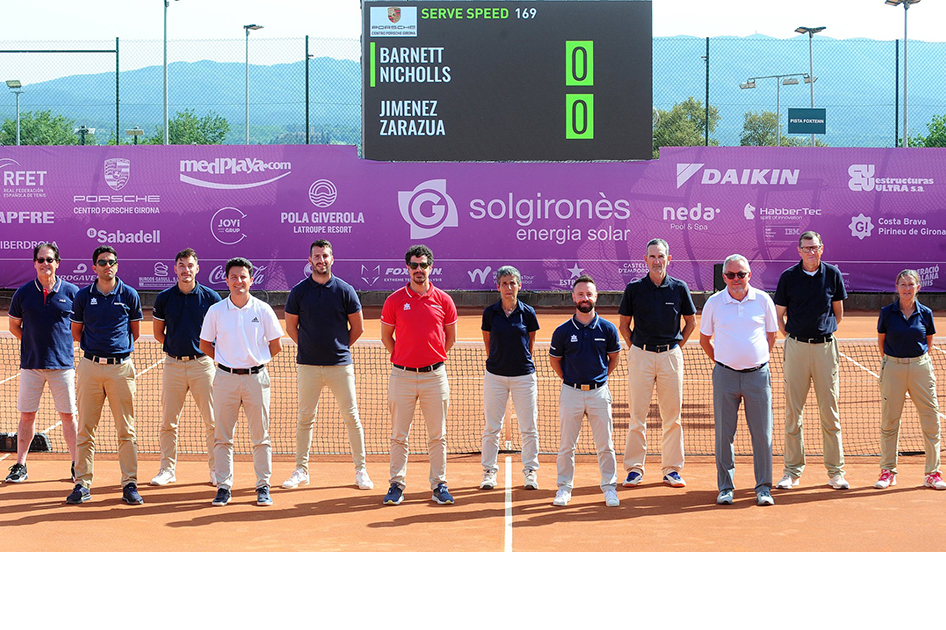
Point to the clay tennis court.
(331, 514)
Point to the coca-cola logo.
(219, 276)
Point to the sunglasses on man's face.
(46, 260)
(732, 275)
(106, 263)
(415, 265)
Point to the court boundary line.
(507, 544)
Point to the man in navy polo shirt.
(583, 352)
(39, 318)
(811, 295)
(178, 315)
(105, 321)
(509, 328)
(655, 357)
(324, 318)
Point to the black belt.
(657, 349)
(244, 371)
(427, 368)
(752, 369)
(824, 339)
(105, 360)
(585, 386)
(190, 357)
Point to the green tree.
(187, 128)
(936, 134)
(41, 128)
(759, 130)
(684, 125)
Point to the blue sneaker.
(633, 478)
(394, 496)
(79, 494)
(130, 495)
(222, 498)
(674, 480)
(262, 496)
(442, 495)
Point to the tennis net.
(859, 405)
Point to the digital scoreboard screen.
(497, 81)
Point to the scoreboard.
(502, 81)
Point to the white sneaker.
(787, 482)
(611, 498)
(298, 476)
(163, 478)
(562, 497)
(838, 482)
(531, 483)
(489, 480)
(362, 480)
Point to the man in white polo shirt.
(241, 333)
(744, 323)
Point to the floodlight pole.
(17, 92)
(248, 28)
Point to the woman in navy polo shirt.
(905, 333)
(509, 334)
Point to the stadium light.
(167, 3)
(248, 28)
(15, 86)
(780, 80)
(906, 5)
(811, 31)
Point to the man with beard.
(418, 328)
(324, 318)
(583, 352)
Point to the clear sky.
(224, 19)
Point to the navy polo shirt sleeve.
(16, 305)
(292, 302)
(781, 290)
(529, 318)
(627, 303)
(353, 304)
(687, 307)
(487, 324)
(160, 304)
(134, 304)
(840, 293)
(614, 341)
(78, 305)
(557, 345)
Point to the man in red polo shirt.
(418, 327)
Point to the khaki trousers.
(573, 406)
(96, 382)
(897, 378)
(340, 379)
(196, 376)
(250, 391)
(807, 363)
(497, 390)
(405, 390)
(644, 371)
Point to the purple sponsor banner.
(878, 210)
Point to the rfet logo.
(428, 208)
(394, 14)
(117, 173)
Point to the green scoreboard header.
(493, 81)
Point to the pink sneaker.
(886, 479)
(935, 481)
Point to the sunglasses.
(415, 265)
(732, 275)
(106, 263)
(46, 260)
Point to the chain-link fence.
(858, 81)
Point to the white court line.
(871, 372)
(153, 365)
(9, 378)
(507, 547)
